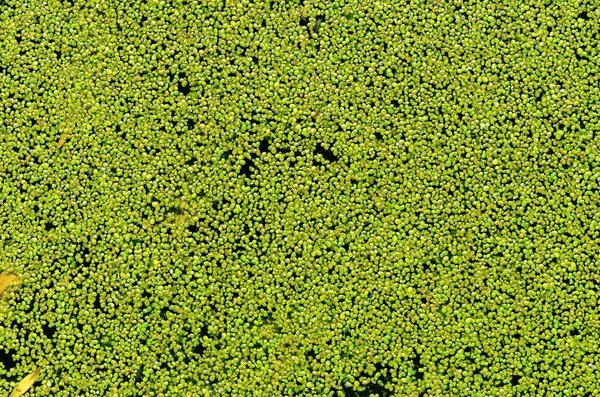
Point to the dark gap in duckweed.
(286, 150)
(6, 359)
(146, 295)
(580, 57)
(240, 50)
(85, 255)
(164, 312)
(540, 94)
(226, 154)
(416, 360)
(218, 204)
(326, 153)
(199, 349)
(264, 146)
(519, 269)
(373, 388)
(49, 331)
(247, 168)
(191, 124)
(574, 332)
(174, 356)
(239, 249)
(191, 161)
(304, 23)
(173, 209)
(584, 15)
(369, 390)
(139, 375)
(164, 362)
(311, 355)
(97, 305)
(203, 331)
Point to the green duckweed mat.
(300, 198)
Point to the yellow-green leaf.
(5, 280)
(25, 384)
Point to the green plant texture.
(300, 198)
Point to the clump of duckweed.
(300, 198)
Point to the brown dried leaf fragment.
(62, 140)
